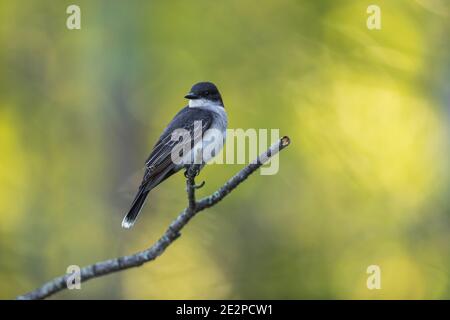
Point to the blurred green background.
(365, 181)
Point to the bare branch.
(172, 233)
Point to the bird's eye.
(206, 93)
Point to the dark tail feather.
(136, 207)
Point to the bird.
(205, 111)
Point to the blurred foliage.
(366, 180)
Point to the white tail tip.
(126, 224)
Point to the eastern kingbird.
(205, 108)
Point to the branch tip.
(285, 141)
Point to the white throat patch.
(198, 103)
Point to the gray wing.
(159, 164)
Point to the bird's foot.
(192, 171)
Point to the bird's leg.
(191, 172)
(196, 169)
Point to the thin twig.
(190, 174)
(172, 233)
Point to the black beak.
(191, 96)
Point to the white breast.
(217, 131)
